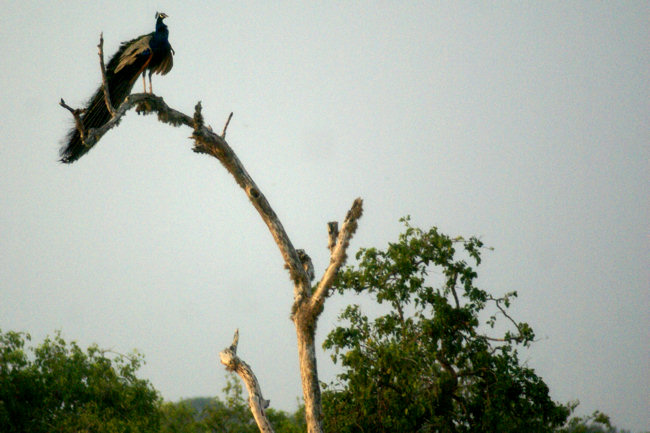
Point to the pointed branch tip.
(332, 234)
(107, 98)
(76, 113)
(235, 341)
(198, 117)
(223, 134)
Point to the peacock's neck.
(161, 29)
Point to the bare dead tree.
(308, 301)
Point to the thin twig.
(76, 112)
(107, 97)
(223, 134)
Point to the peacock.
(151, 52)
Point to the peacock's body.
(151, 52)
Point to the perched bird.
(151, 52)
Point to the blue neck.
(161, 28)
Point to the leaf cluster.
(429, 364)
(59, 387)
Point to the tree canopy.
(59, 387)
(431, 364)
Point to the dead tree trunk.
(308, 301)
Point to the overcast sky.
(524, 123)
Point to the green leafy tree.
(59, 387)
(429, 364)
(597, 422)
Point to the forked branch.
(338, 254)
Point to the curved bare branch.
(256, 402)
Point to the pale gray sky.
(523, 123)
